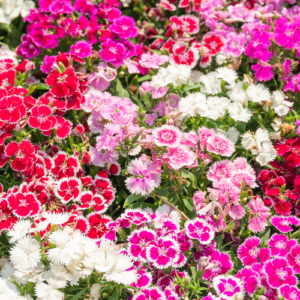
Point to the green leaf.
(79, 294)
(41, 86)
(142, 205)
(194, 86)
(115, 295)
(264, 236)
(124, 94)
(187, 174)
(144, 78)
(132, 198)
(187, 203)
(231, 225)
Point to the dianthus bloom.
(258, 216)
(145, 178)
(124, 27)
(199, 229)
(228, 286)
(167, 135)
(82, 49)
(220, 144)
(283, 224)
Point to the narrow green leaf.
(79, 294)
(132, 198)
(187, 204)
(190, 87)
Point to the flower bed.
(151, 151)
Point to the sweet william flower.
(124, 27)
(82, 49)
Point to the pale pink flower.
(258, 215)
(220, 170)
(167, 135)
(190, 139)
(204, 134)
(179, 157)
(220, 144)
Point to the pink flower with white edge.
(136, 216)
(279, 273)
(143, 281)
(283, 224)
(220, 144)
(258, 215)
(145, 179)
(167, 135)
(220, 169)
(179, 157)
(249, 252)
(249, 280)
(228, 286)
(289, 292)
(199, 229)
(163, 253)
(150, 294)
(294, 259)
(219, 264)
(280, 245)
(168, 227)
(139, 240)
(68, 189)
(180, 262)
(210, 296)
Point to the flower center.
(281, 273)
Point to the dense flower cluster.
(151, 152)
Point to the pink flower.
(179, 157)
(258, 215)
(152, 60)
(163, 253)
(249, 252)
(280, 245)
(136, 216)
(289, 292)
(283, 224)
(113, 52)
(190, 139)
(199, 229)
(47, 65)
(228, 192)
(124, 27)
(204, 134)
(219, 263)
(219, 170)
(139, 240)
(145, 179)
(279, 273)
(150, 294)
(294, 259)
(81, 49)
(249, 279)
(167, 135)
(144, 279)
(102, 78)
(61, 7)
(237, 212)
(227, 286)
(263, 71)
(220, 144)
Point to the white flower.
(266, 153)
(8, 291)
(11, 9)
(275, 135)
(227, 74)
(249, 140)
(178, 75)
(195, 77)
(279, 104)
(216, 107)
(25, 254)
(49, 291)
(71, 272)
(33, 275)
(159, 79)
(20, 229)
(193, 104)
(212, 84)
(236, 93)
(52, 218)
(104, 261)
(258, 93)
(277, 125)
(119, 273)
(7, 271)
(239, 113)
(232, 133)
(95, 291)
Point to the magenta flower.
(113, 52)
(220, 144)
(28, 47)
(258, 215)
(61, 7)
(124, 27)
(249, 252)
(179, 157)
(228, 286)
(144, 279)
(199, 229)
(259, 47)
(279, 273)
(283, 224)
(219, 264)
(249, 280)
(150, 294)
(145, 178)
(289, 292)
(167, 135)
(81, 49)
(280, 245)
(263, 71)
(43, 36)
(139, 240)
(47, 65)
(294, 259)
(163, 253)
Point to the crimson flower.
(41, 118)
(23, 205)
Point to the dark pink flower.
(150, 294)
(289, 292)
(82, 49)
(283, 224)
(227, 286)
(199, 229)
(113, 52)
(47, 65)
(61, 7)
(124, 27)
(280, 244)
(28, 47)
(294, 259)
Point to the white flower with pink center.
(228, 286)
(136, 216)
(167, 135)
(139, 240)
(199, 229)
(163, 253)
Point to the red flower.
(23, 205)
(283, 146)
(78, 222)
(75, 100)
(89, 200)
(64, 84)
(25, 66)
(98, 225)
(182, 57)
(283, 208)
(188, 5)
(188, 24)
(63, 128)
(24, 154)
(297, 184)
(213, 42)
(6, 64)
(68, 189)
(105, 189)
(65, 166)
(41, 118)
(115, 169)
(7, 77)
(3, 158)
(7, 220)
(292, 157)
(5, 131)
(12, 107)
